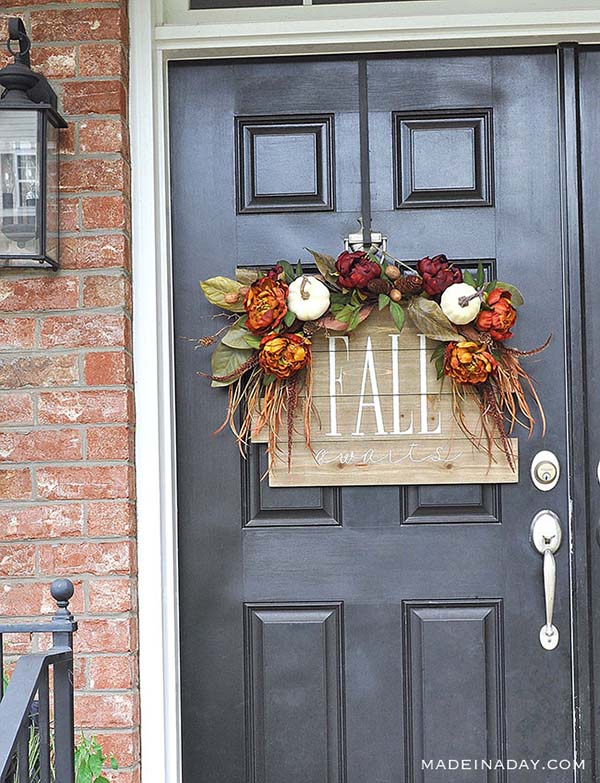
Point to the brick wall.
(66, 414)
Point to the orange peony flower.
(265, 304)
(468, 362)
(283, 355)
(501, 316)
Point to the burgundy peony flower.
(356, 270)
(437, 274)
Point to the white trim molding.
(163, 30)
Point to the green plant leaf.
(267, 379)
(517, 297)
(299, 268)
(113, 762)
(469, 279)
(384, 301)
(96, 762)
(428, 318)
(226, 360)
(288, 270)
(397, 313)
(326, 266)
(354, 320)
(439, 367)
(216, 288)
(246, 276)
(480, 276)
(289, 318)
(84, 773)
(101, 779)
(235, 336)
(253, 340)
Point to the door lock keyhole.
(545, 470)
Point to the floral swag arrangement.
(264, 356)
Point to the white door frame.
(163, 30)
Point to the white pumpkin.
(308, 298)
(460, 303)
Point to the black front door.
(363, 635)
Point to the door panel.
(345, 634)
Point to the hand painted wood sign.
(382, 417)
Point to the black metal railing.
(36, 709)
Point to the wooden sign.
(382, 417)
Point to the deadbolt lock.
(545, 470)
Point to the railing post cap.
(62, 591)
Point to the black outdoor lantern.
(29, 133)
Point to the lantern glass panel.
(20, 157)
(51, 192)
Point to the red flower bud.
(356, 270)
(438, 274)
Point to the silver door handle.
(546, 537)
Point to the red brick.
(17, 560)
(84, 407)
(41, 522)
(80, 483)
(104, 212)
(39, 293)
(110, 672)
(93, 174)
(40, 446)
(98, 252)
(124, 746)
(106, 59)
(15, 484)
(125, 776)
(109, 596)
(94, 97)
(109, 443)
(109, 635)
(69, 214)
(29, 599)
(16, 408)
(55, 62)
(102, 136)
(85, 331)
(110, 710)
(107, 291)
(17, 644)
(67, 140)
(16, 333)
(109, 368)
(94, 24)
(79, 671)
(88, 557)
(111, 519)
(38, 370)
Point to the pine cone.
(409, 285)
(310, 328)
(379, 286)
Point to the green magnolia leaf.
(469, 279)
(398, 315)
(326, 266)
(235, 336)
(299, 268)
(428, 318)
(288, 271)
(246, 276)
(226, 360)
(289, 318)
(439, 367)
(480, 276)
(384, 301)
(517, 297)
(216, 288)
(253, 340)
